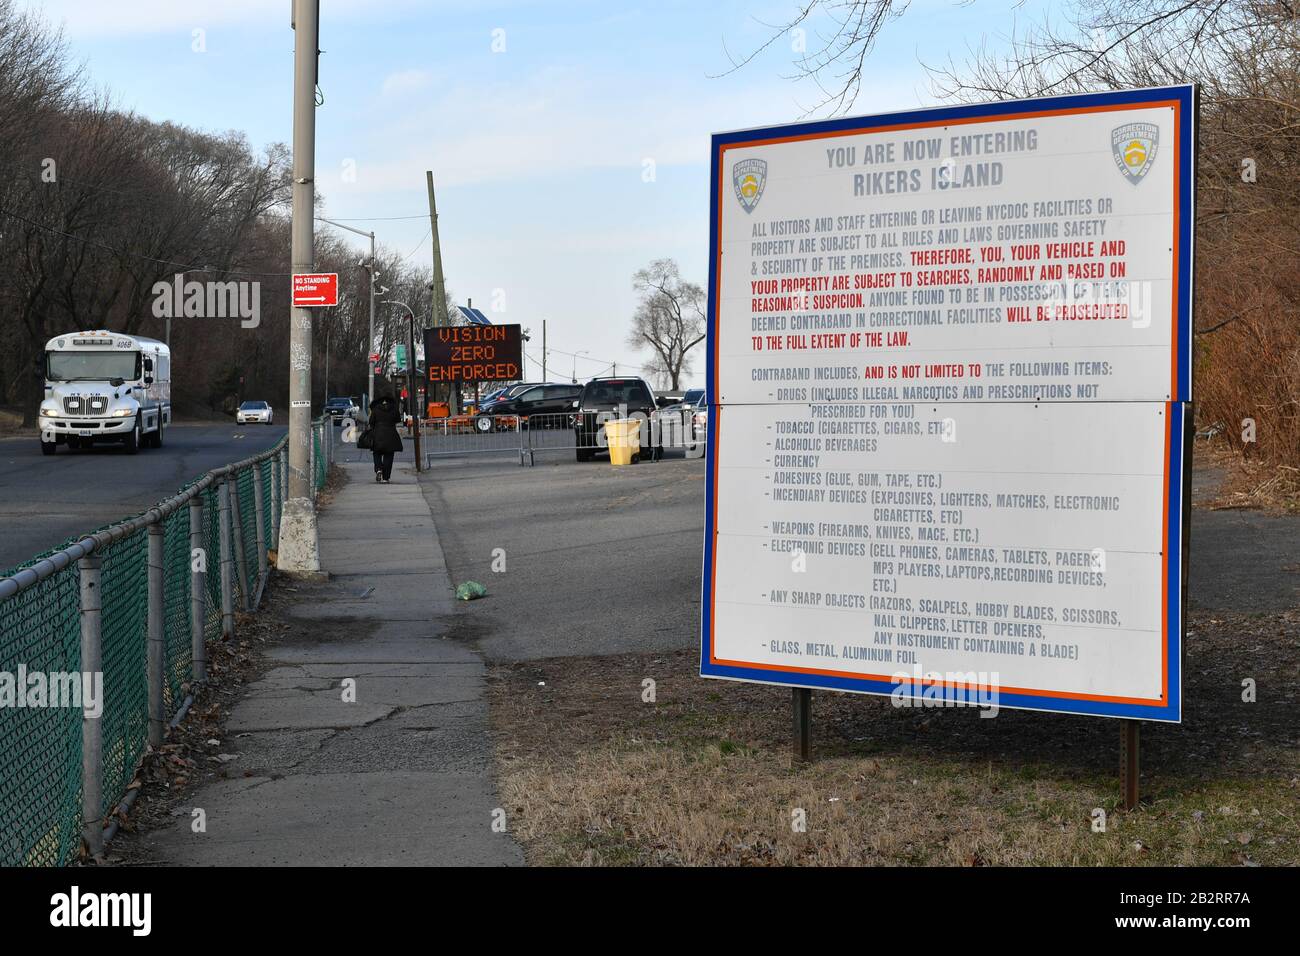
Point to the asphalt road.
(46, 500)
(602, 560)
(598, 560)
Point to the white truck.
(105, 386)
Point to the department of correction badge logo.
(1134, 146)
(749, 177)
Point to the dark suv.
(604, 399)
(553, 401)
(341, 407)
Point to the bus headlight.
(123, 413)
(49, 411)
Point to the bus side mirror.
(148, 364)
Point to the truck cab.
(103, 386)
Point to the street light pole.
(299, 545)
(370, 269)
(411, 400)
(575, 364)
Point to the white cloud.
(129, 17)
(406, 81)
(556, 122)
(561, 122)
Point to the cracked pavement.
(400, 776)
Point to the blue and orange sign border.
(1177, 477)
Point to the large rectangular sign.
(951, 350)
(474, 353)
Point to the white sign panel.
(949, 357)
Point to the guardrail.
(103, 639)
(528, 436)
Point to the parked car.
(550, 400)
(254, 412)
(503, 394)
(691, 412)
(603, 399)
(341, 407)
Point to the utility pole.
(410, 381)
(544, 378)
(413, 390)
(299, 545)
(439, 310)
(370, 270)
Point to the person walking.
(384, 416)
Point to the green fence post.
(198, 590)
(241, 555)
(275, 500)
(227, 565)
(157, 625)
(259, 517)
(92, 739)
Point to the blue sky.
(538, 150)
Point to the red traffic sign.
(315, 290)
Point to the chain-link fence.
(101, 639)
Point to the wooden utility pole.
(544, 378)
(439, 310)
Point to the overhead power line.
(137, 255)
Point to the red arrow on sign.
(314, 290)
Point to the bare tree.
(1245, 57)
(845, 33)
(669, 320)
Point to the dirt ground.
(594, 774)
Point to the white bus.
(105, 386)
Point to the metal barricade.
(583, 435)
(460, 435)
(563, 433)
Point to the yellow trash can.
(623, 436)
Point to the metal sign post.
(801, 700)
(1128, 762)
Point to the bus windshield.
(91, 366)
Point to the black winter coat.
(384, 417)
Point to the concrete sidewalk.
(402, 776)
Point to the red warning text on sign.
(315, 290)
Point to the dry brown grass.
(591, 775)
(1250, 483)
